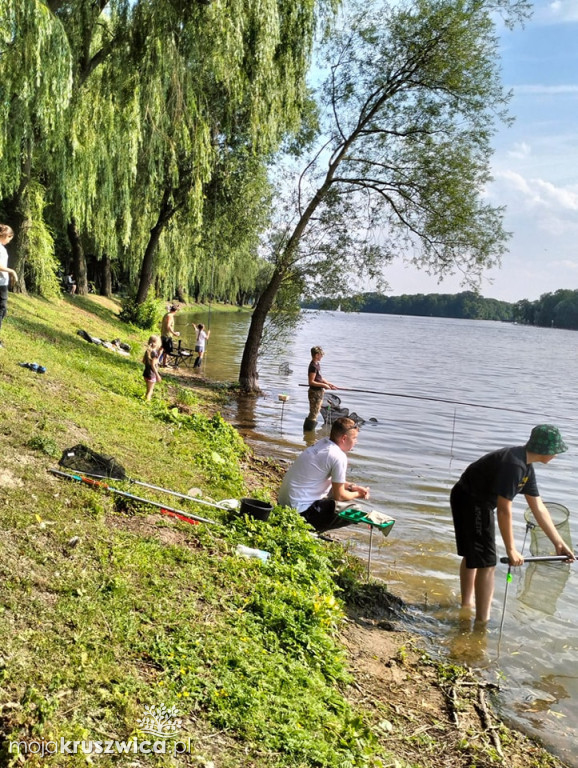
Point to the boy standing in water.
(317, 387)
(489, 483)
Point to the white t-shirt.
(310, 477)
(201, 339)
(4, 276)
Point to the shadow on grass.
(69, 340)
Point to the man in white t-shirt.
(317, 478)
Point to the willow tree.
(228, 74)
(92, 186)
(35, 89)
(409, 105)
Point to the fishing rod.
(225, 504)
(433, 399)
(540, 559)
(98, 484)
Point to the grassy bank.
(110, 608)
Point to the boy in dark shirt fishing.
(317, 387)
(489, 483)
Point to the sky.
(535, 164)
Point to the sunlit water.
(413, 456)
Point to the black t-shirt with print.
(500, 473)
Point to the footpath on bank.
(133, 638)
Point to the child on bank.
(151, 365)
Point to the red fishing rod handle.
(180, 517)
(91, 481)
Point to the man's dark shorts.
(322, 516)
(167, 344)
(475, 529)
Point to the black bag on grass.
(83, 459)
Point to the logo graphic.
(160, 721)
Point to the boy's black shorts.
(474, 525)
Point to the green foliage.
(466, 304)
(44, 444)
(146, 315)
(36, 239)
(551, 310)
(278, 641)
(222, 446)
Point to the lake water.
(413, 456)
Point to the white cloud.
(558, 12)
(520, 150)
(563, 10)
(566, 264)
(537, 193)
(545, 90)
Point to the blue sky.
(535, 165)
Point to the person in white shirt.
(6, 274)
(202, 338)
(317, 479)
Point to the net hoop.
(558, 512)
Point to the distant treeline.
(558, 309)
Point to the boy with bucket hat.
(491, 483)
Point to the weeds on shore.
(108, 607)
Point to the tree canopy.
(116, 115)
(408, 108)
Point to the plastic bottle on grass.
(260, 554)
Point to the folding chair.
(182, 355)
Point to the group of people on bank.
(160, 348)
(316, 485)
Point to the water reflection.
(542, 585)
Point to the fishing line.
(452, 445)
(435, 400)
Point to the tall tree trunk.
(147, 271)
(248, 375)
(180, 294)
(105, 276)
(21, 226)
(78, 258)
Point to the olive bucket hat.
(546, 440)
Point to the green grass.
(108, 607)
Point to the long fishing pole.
(99, 484)
(225, 504)
(432, 399)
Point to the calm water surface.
(413, 456)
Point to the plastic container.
(256, 508)
(259, 554)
